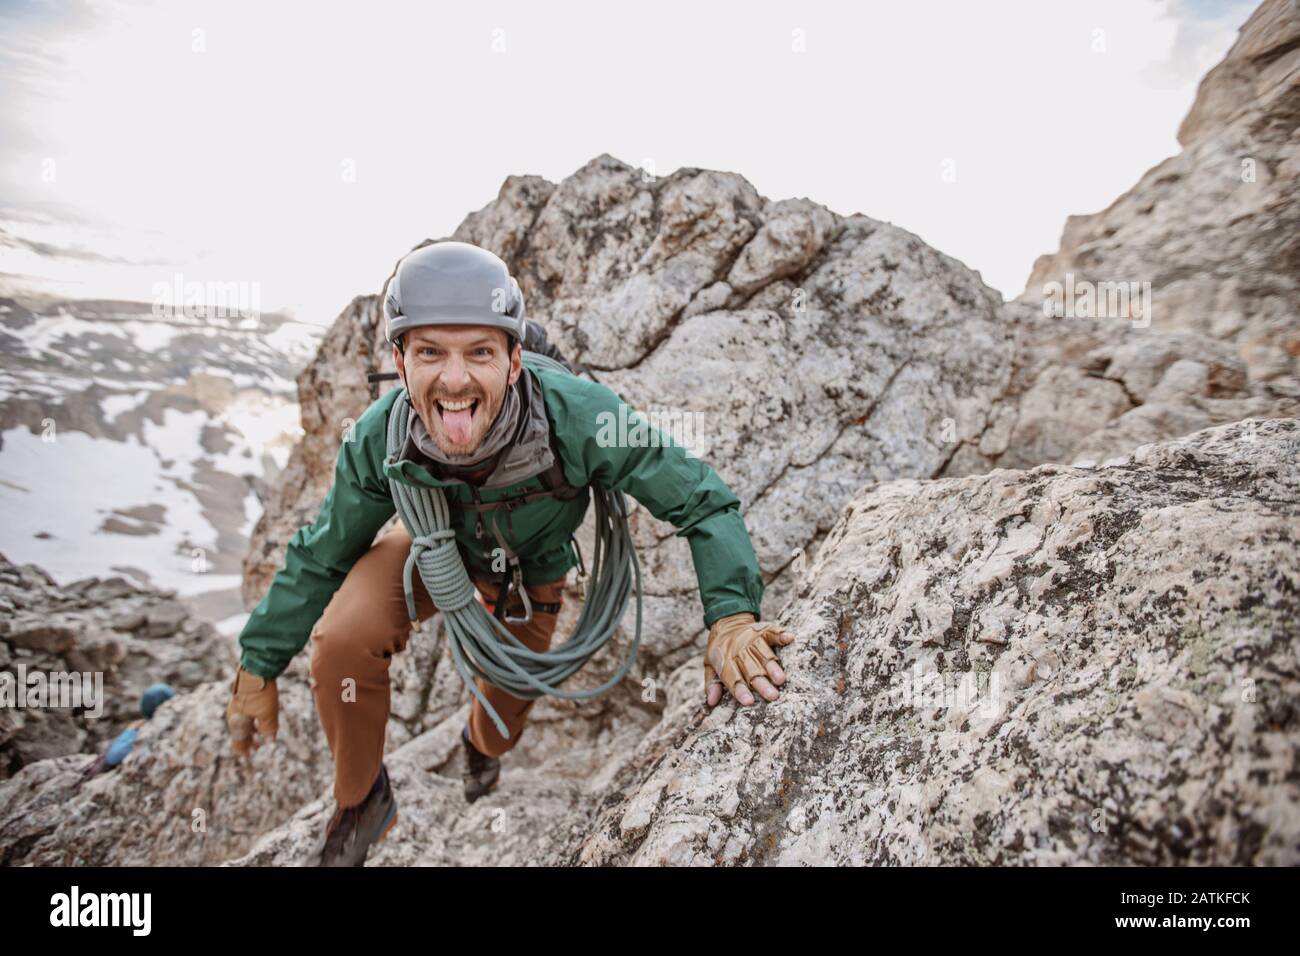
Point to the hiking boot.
(481, 771)
(352, 830)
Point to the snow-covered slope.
(139, 444)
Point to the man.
(483, 426)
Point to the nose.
(455, 374)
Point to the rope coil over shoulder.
(481, 645)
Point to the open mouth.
(445, 407)
(457, 418)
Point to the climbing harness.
(481, 645)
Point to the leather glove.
(254, 706)
(741, 648)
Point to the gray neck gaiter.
(517, 446)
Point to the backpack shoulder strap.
(552, 478)
(397, 418)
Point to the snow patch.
(67, 488)
(115, 405)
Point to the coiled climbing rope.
(481, 646)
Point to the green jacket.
(674, 487)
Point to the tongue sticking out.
(457, 424)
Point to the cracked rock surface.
(1127, 626)
(1053, 666)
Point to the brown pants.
(362, 627)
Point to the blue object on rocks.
(154, 697)
(120, 747)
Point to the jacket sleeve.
(674, 486)
(319, 556)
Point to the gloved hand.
(740, 648)
(254, 706)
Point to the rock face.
(130, 636)
(1053, 666)
(1084, 389)
(1125, 633)
(1061, 665)
(180, 798)
(1215, 229)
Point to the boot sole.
(387, 826)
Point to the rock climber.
(484, 427)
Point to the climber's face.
(457, 376)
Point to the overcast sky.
(216, 139)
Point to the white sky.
(226, 164)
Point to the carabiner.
(517, 581)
